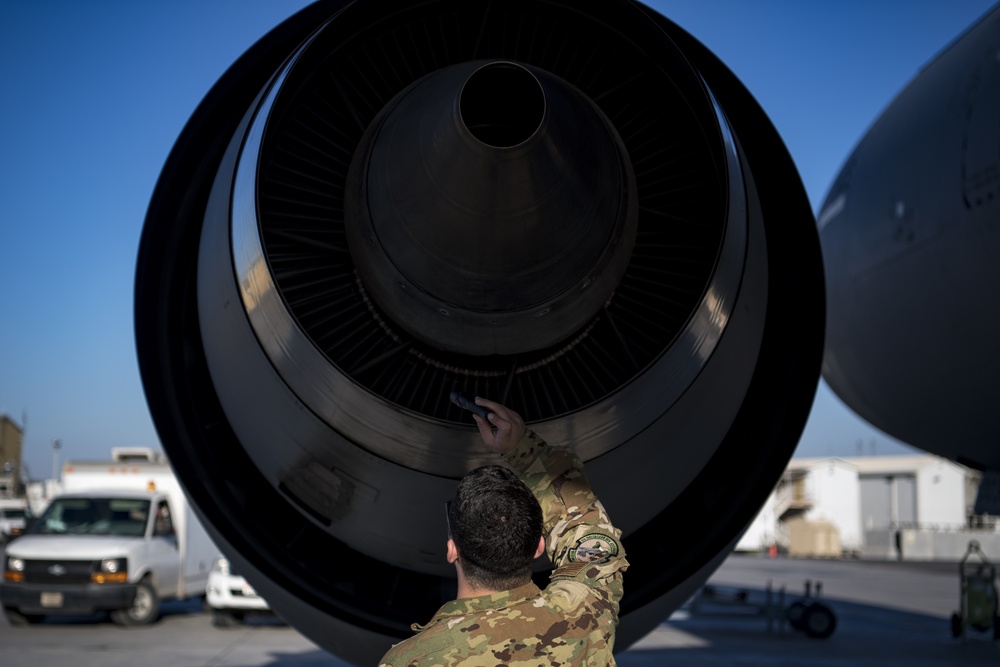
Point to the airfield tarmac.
(888, 614)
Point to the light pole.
(55, 458)
(9, 487)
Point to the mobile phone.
(466, 403)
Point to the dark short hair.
(495, 522)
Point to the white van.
(121, 537)
(13, 515)
(231, 598)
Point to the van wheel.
(145, 607)
(222, 618)
(14, 617)
(818, 621)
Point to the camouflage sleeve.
(581, 541)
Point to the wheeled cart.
(978, 599)
(806, 614)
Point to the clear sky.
(93, 94)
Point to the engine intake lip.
(356, 612)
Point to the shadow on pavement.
(735, 633)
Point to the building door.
(888, 501)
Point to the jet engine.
(580, 213)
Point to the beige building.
(913, 507)
(11, 437)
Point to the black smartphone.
(466, 403)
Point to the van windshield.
(126, 517)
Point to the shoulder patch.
(594, 548)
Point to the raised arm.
(581, 541)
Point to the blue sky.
(93, 95)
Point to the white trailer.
(121, 536)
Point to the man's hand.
(502, 429)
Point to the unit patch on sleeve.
(594, 548)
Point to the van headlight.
(221, 566)
(113, 565)
(110, 571)
(13, 569)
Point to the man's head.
(496, 523)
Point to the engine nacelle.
(581, 214)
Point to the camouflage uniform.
(571, 622)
